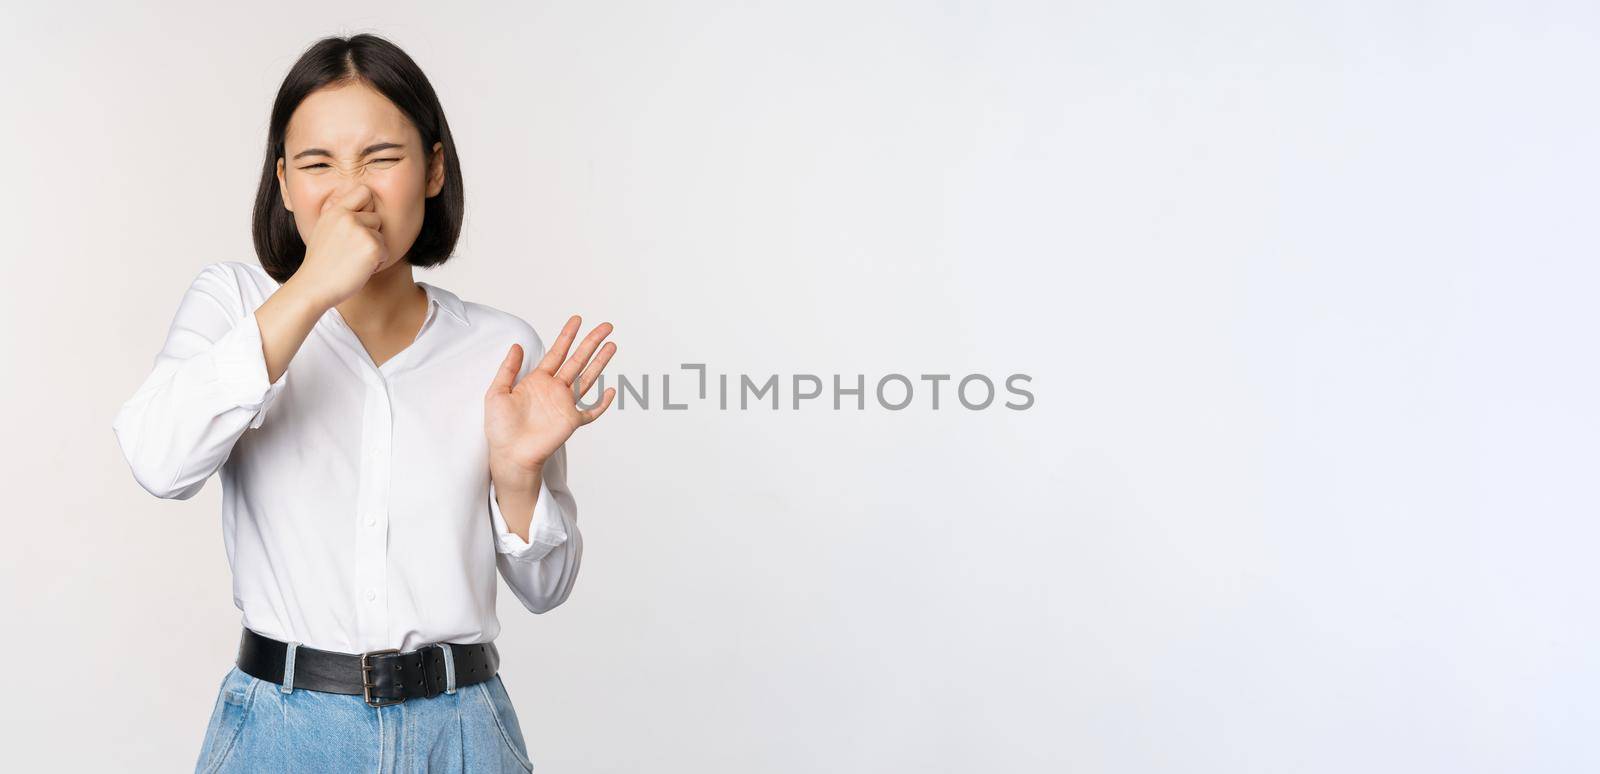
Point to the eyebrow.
(374, 148)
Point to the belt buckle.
(367, 686)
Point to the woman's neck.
(389, 299)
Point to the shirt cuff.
(546, 528)
(241, 368)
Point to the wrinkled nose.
(344, 186)
(352, 171)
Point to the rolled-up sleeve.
(207, 387)
(542, 570)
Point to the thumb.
(507, 375)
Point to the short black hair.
(376, 62)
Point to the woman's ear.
(283, 190)
(436, 170)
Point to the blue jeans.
(259, 725)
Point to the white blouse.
(357, 508)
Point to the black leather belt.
(382, 677)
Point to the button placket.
(371, 553)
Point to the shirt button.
(371, 595)
(372, 521)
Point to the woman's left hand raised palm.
(527, 421)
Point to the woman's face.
(339, 138)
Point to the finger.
(357, 198)
(580, 358)
(590, 415)
(592, 373)
(507, 375)
(371, 220)
(557, 352)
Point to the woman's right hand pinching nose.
(345, 249)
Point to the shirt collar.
(447, 301)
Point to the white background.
(1306, 291)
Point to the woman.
(370, 491)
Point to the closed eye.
(374, 161)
